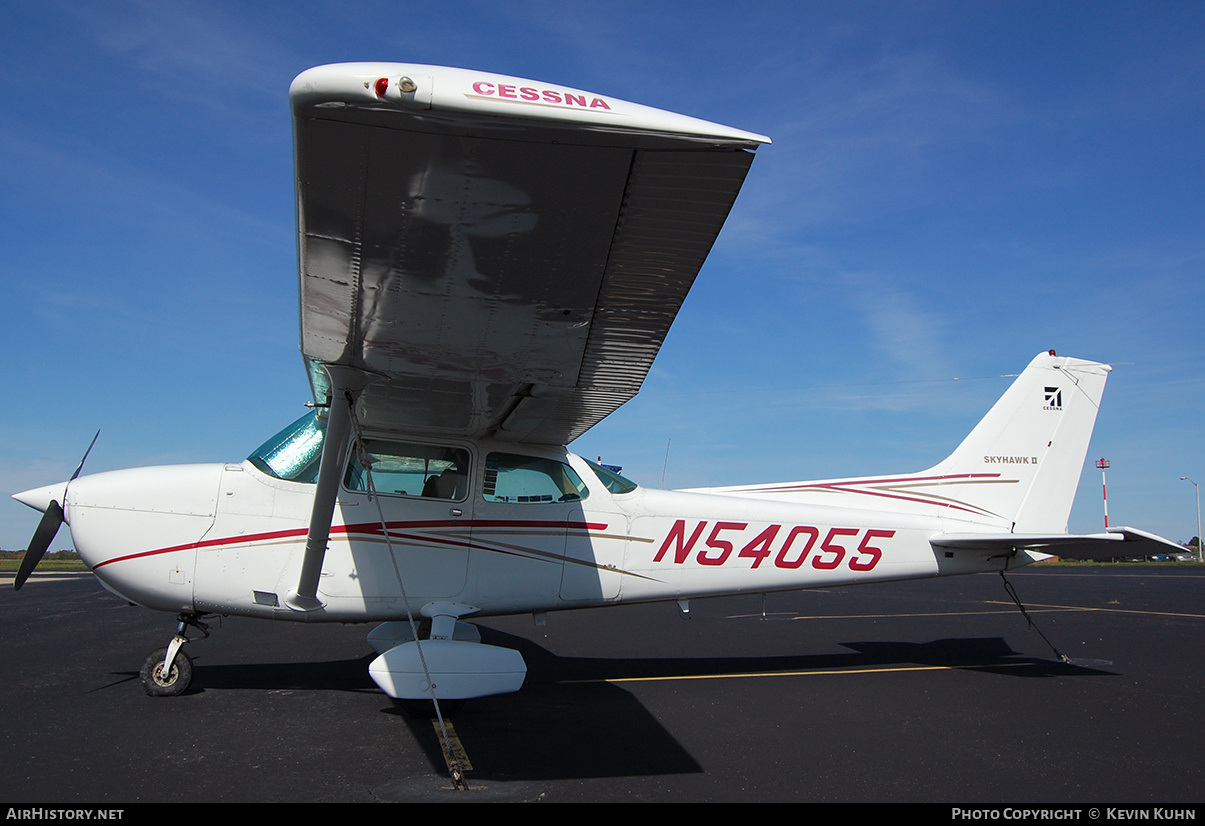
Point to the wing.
(503, 256)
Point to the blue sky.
(952, 188)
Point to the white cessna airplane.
(488, 266)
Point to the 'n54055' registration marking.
(798, 545)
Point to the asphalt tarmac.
(931, 691)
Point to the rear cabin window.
(407, 469)
(530, 480)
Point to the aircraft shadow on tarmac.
(329, 675)
(990, 654)
(572, 720)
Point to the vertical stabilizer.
(1033, 442)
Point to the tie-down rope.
(363, 460)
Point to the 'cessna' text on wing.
(484, 88)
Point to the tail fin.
(1034, 441)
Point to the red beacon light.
(381, 86)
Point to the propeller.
(52, 518)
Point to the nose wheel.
(162, 680)
(167, 672)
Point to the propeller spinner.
(52, 518)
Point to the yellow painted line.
(743, 675)
(897, 616)
(1027, 571)
(1111, 610)
(1008, 609)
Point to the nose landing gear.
(167, 672)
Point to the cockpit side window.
(293, 454)
(613, 481)
(408, 469)
(530, 480)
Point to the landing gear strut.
(167, 672)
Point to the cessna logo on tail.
(1054, 399)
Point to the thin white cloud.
(186, 50)
(858, 140)
(904, 330)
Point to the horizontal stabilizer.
(1115, 542)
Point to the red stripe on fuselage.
(368, 529)
(865, 488)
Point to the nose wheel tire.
(157, 683)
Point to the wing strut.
(346, 384)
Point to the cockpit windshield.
(293, 453)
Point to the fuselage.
(229, 538)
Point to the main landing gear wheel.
(158, 684)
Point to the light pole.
(1200, 556)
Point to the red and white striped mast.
(1103, 463)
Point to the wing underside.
(497, 272)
